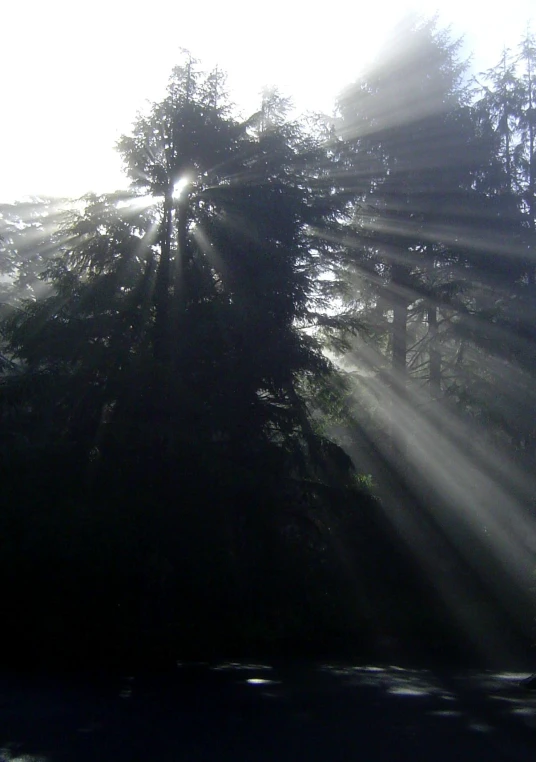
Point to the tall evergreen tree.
(495, 337)
(163, 375)
(409, 148)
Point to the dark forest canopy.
(187, 366)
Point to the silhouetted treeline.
(175, 441)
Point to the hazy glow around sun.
(75, 75)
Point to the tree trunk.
(179, 279)
(398, 367)
(162, 286)
(400, 321)
(435, 355)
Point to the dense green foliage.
(169, 485)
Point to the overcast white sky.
(73, 75)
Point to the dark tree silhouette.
(160, 398)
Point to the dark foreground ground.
(251, 712)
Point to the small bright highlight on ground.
(260, 681)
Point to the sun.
(180, 186)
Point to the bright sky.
(74, 74)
